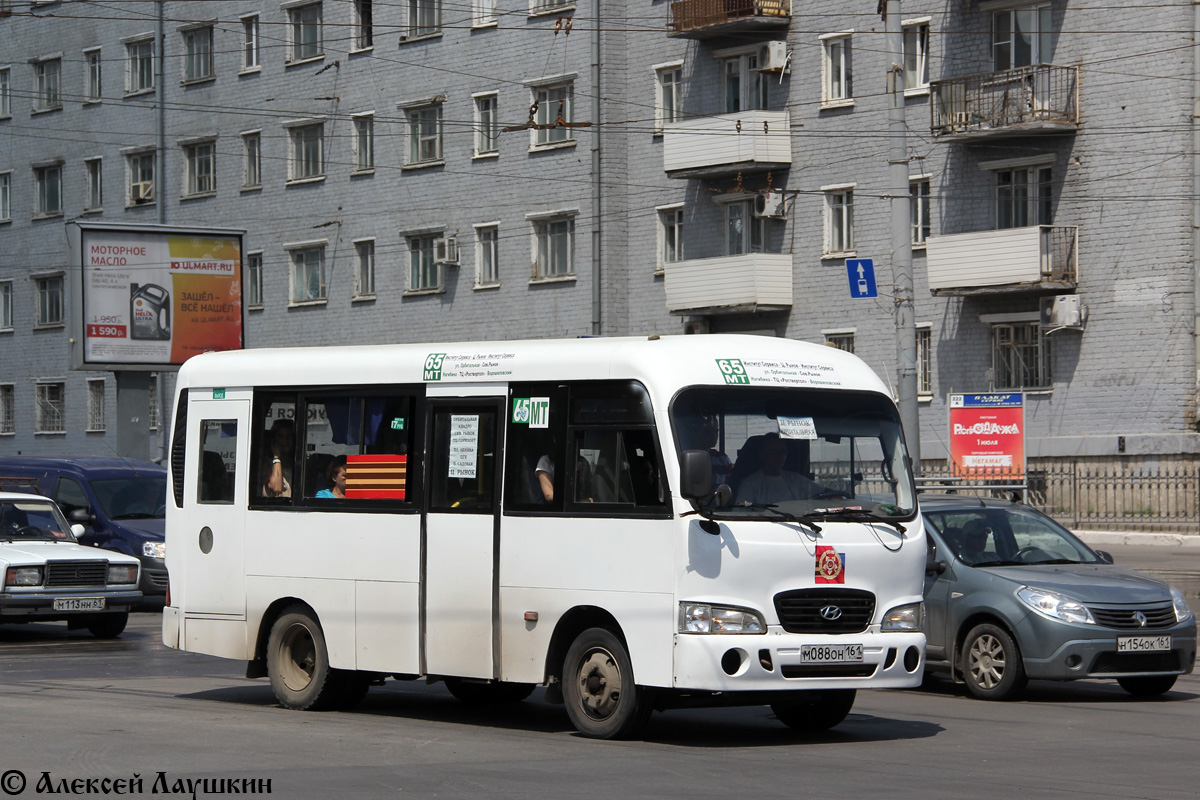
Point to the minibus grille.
(813, 610)
(62, 574)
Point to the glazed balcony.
(701, 19)
(1039, 99)
(1034, 258)
(729, 284)
(725, 144)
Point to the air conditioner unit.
(773, 57)
(141, 192)
(772, 205)
(446, 250)
(1063, 311)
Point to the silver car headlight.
(1055, 605)
(154, 549)
(707, 618)
(907, 619)
(1182, 612)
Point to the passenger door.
(460, 538)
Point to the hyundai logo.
(1138, 617)
(833, 613)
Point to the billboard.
(987, 436)
(155, 296)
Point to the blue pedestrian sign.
(861, 272)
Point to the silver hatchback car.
(1011, 595)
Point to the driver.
(12, 519)
(773, 483)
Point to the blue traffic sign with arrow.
(861, 272)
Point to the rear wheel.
(599, 692)
(815, 710)
(107, 626)
(298, 664)
(476, 693)
(1148, 685)
(991, 664)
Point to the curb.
(1111, 538)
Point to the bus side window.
(537, 466)
(274, 469)
(356, 447)
(218, 454)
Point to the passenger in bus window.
(773, 483)
(337, 479)
(545, 476)
(282, 452)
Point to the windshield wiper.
(782, 515)
(138, 515)
(997, 563)
(854, 512)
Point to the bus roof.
(665, 364)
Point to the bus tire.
(815, 710)
(599, 691)
(298, 663)
(474, 693)
(107, 626)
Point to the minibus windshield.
(803, 453)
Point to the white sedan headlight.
(1182, 612)
(23, 576)
(707, 618)
(1055, 605)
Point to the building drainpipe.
(160, 163)
(597, 183)
(1196, 202)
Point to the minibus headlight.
(707, 618)
(904, 619)
(23, 576)
(122, 573)
(154, 549)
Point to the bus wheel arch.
(257, 667)
(566, 630)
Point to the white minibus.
(634, 523)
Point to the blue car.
(120, 503)
(1012, 595)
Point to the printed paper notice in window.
(464, 446)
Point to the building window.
(139, 75)
(842, 340)
(304, 28)
(364, 25)
(251, 160)
(546, 6)
(201, 168)
(95, 185)
(5, 196)
(745, 87)
(483, 12)
(1020, 356)
(555, 247)
(1024, 197)
(924, 360)
(487, 127)
(8, 409)
(50, 301)
(364, 274)
(5, 92)
(423, 17)
(6, 305)
(1021, 37)
(198, 54)
(838, 70)
(92, 89)
(308, 152)
(554, 103)
(95, 418)
(153, 412)
(141, 178)
(918, 204)
(670, 228)
(744, 232)
(839, 221)
(250, 43)
(424, 134)
(47, 84)
(916, 56)
(48, 181)
(487, 255)
(51, 408)
(254, 278)
(364, 143)
(668, 96)
(308, 274)
(423, 268)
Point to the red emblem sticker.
(830, 566)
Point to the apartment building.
(428, 170)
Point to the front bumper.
(1091, 651)
(153, 578)
(40, 605)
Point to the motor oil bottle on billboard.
(149, 312)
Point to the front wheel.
(815, 710)
(601, 697)
(298, 664)
(991, 664)
(107, 626)
(1147, 685)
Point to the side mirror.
(81, 515)
(695, 475)
(935, 567)
(1105, 556)
(78, 530)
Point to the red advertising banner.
(987, 436)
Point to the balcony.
(730, 284)
(1039, 99)
(744, 141)
(1032, 259)
(701, 19)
